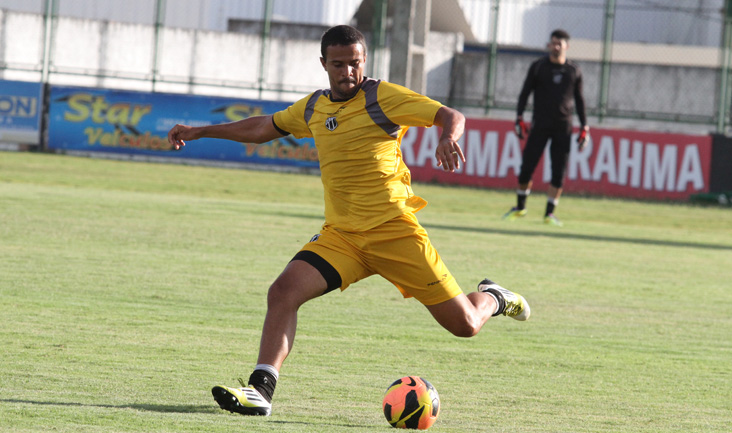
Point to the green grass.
(128, 289)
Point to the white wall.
(524, 23)
(196, 14)
(120, 55)
(527, 23)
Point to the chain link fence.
(656, 60)
(641, 59)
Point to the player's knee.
(524, 178)
(557, 177)
(281, 294)
(467, 326)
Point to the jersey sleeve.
(292, 119)
(579, 98)
(527, 88)
(406, 107)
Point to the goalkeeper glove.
(521, 128)
(582, 138)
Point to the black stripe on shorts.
(332, 277)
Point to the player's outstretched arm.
(258, 129)
(448, 152)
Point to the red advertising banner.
(616, 163)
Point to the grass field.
(127, 290)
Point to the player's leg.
(327, 262)
(553, 193)
(465, 315)
(535, 144)
(402, 253)
(298, 283)
(559, 152)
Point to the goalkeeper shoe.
(245, 400)
(552, 220)
(514, 213)
(509, 303)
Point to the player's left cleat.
(552, 220)
(509, 303)
(514, 214)
(245, 400)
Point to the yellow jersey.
(365, 180)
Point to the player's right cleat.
(509, 303)
(552, 220)
(245, 401)
(514, 213)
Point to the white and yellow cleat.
(552, 220)
(245, 401)
(515, 213)
(509, 303)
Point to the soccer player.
(370, 227)
(557, 86)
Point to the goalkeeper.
(557, 86)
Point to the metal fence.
(658, 60)
(642, 59)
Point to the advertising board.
(618, 163)
(102, 120)
(20, 112)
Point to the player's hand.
(179, 133)
(583, 137)
(449, 154)
(521, 128)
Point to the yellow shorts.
(398, 250)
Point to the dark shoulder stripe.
(280, 130)
(370, 88)
(310, 106)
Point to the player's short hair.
(341, 35)
(560, 34)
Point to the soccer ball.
(411, 402)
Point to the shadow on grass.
(327, 424)
(182, 408)
(161, 408)
(553, 233)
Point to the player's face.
(557, 48)
(344, 65)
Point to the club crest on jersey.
(557, 78)
(331, 123)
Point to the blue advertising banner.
(103, 120)
(20, 111)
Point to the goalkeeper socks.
(551, 203)
(521, 196)
(264, 379)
